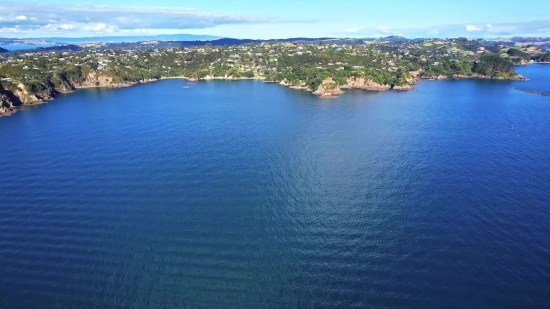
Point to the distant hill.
(220, 42)
(132, 39)
(395, 38)
(231, 41)
(106, 39)
(522, 41)
(69, 47)
(186, 40)
(176, 41)
(3, 50)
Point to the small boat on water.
(185, 87)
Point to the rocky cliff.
(9, 102)
(93, 79)
(476, 76)
(14, 95)
(365, 84)
(328, 89)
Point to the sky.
(275, 18)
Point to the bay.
(251, 195)
(24, 47)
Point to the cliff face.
(476, 76)
(365, 84)
(94, 79)
(15, 95)
(9, 102)
(403, 88)
(24, 96)
(328, 89)
(301, 86)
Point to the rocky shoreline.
(476, 76)
(329, 89)
(12, 101)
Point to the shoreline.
(518, 78)
(327, 95)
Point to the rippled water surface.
(251, 195)
(539, 75)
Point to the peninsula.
(325, 67)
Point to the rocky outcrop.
(301, 86)
(284, 83)
(94, 79)
(9, 103)
(476, 76)
(16, 95)
(403, 88)
(27, 98)
(328, 89)
(365, 84)
(226, 77)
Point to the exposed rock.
(365, 84)
(94, 79)
(9, 102)
(301, 86)
(521, 77)
(24, 96)
(403, 88)
(478, 76)
(328, 89)
(17, 96)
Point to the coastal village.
(324, 68)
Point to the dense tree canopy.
(493, 66)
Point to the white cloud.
(531, 28)
(110, 19)
(353, 30)
(101, 28)
(141, 31)
(61, 27)
(98, 27)
(471, 28)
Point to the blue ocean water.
(539, 77)
(252, 195)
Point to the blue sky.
(276, 19)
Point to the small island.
(324, 67)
